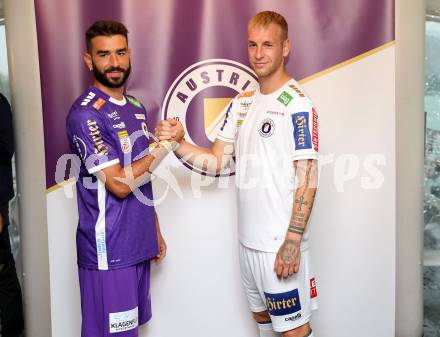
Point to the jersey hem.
(224, 139)
(305, 156)
(270, 249)
(287, 327)
(118, 266)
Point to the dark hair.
(104, 28)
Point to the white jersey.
(269, 133)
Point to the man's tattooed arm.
(288, 257)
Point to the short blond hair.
(265, 18)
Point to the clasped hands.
(169, 129)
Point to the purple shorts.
(115, 302)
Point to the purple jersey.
(112, 232)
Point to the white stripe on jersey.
(101, 246)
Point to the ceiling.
(432, 8)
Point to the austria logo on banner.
(199, 98)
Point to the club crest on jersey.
(285, 98)
(199, 98)
(284, 303)
(301, 131)
(266, 128)
(124, 139)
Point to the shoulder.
(293, 97)
(134, 101)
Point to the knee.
(261, 317)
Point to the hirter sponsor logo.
(313, 292)
(301, 132)
(315, 139)
(101, 148)
(283, 304)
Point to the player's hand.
(288, 258)
(169, 129)
(162, 249)
(2, 223)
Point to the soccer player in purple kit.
(118, 231)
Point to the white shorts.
(290, 301)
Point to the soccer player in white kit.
(273, 131)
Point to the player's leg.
(256, 304)
(302, 331)
(109, 302)
(144, 300)
(264, 324)
(289, 301)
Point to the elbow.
(121, 191)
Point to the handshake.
(169, 130)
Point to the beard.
(101, 77)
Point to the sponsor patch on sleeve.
(285, 98)
(315, 138)
(301, 131)
(99, 103)
(313, 292)
(283, 304)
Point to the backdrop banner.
(189, 58)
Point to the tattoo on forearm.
(301, 215)
(296, 229)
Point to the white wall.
(31, 182)
(410, 37)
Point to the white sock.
(267, 331)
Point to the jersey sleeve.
(228, 129)
(304, 135)
(90, 140)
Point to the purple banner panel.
(167, 37)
